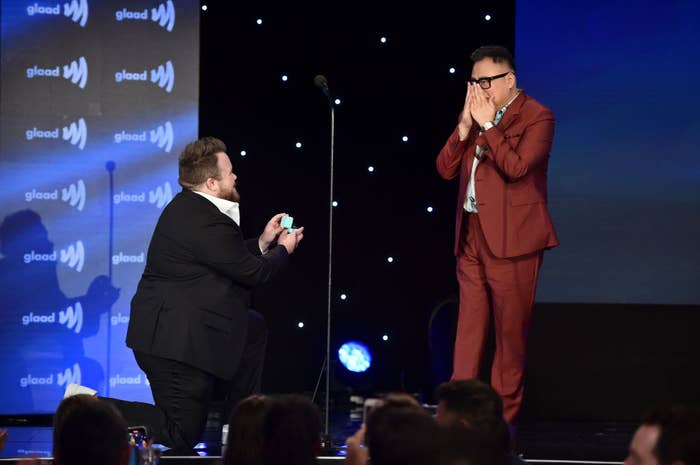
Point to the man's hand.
(481, 108)
(272, 230)
(356, 453)
(465, 124)
(290, 241)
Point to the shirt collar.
(228, 208)
(505, 107)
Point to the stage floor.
(566, 442)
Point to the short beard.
(233, 196)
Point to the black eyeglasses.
(485, 82)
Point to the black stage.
(539, 442)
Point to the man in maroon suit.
(499, 150)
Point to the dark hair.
(679, 437)
(401, 435)
(473, 401)
(198, 161)
(292, 432)
(244, 443)
(469, 447)
(88, 431)
(497, 53)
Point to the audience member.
(244, 443)
(668, 435)
(292, 432)
(89, 431)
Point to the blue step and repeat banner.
(98, 98)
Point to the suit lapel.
(512, 114)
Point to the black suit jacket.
(192, 301)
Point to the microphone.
(322, 83)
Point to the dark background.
(400, 88)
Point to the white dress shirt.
(226, 207)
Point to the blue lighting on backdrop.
(97, 99)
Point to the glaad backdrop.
(98, 99)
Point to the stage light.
(337, 101)
(284, 78)
(404, 138)
(385, 337)
(343, 297)
(452, 70)
(204, 8)
(259, 21)
(487, 17)
(335, 203)
(390, 259)
(429, 209)
(243, 153)
(300, 324)
(370, 169)
(355, 356)
(382, 40)
(298, 145)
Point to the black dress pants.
(183, 394)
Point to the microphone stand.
(321, 82)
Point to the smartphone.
(370, 404)
(138, 436)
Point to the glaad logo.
(162, 136)
(76, 10)
(76, 71)
(76, 133)
(119, 319)
(74, 256)
(121, 380)
(68, 376)
(73, 194)
(123, 258)
(164, 15)
(161, 196)
(163, 76)
(71, 318)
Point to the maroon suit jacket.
(511, 179)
